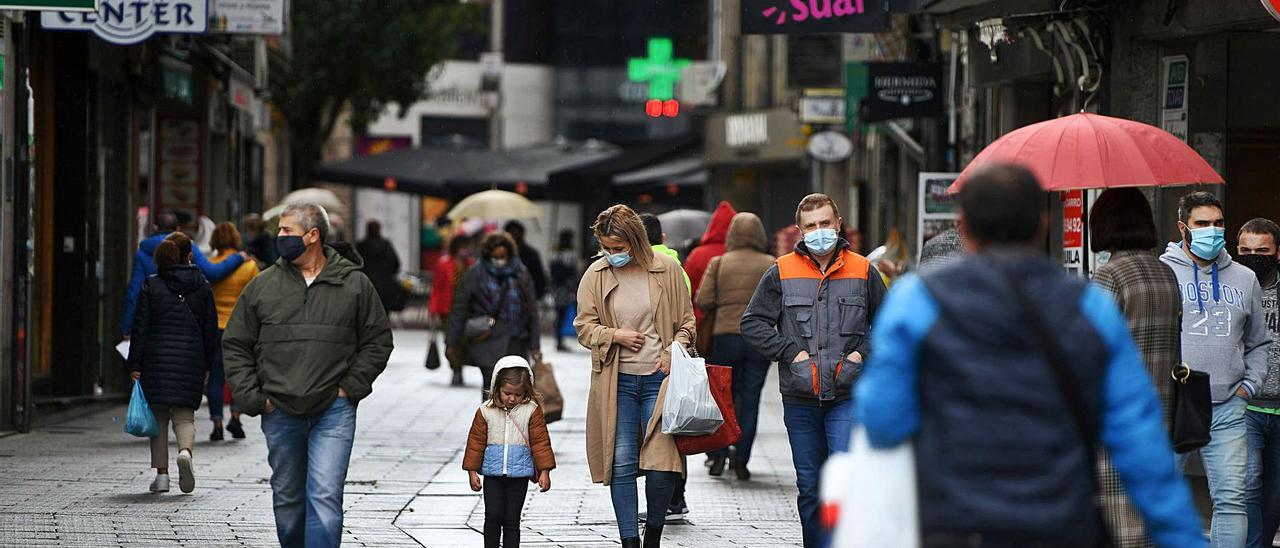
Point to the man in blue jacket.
(145, 265)
(967, 360)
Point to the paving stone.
(84, 482)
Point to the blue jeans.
(1262, 482)
(217, 379)
(309, 458)
(637, 397)
(1226, 459)
(815, 433)
(749, 371)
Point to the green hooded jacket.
(297, 344)
(662, 248)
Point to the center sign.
(127, 22)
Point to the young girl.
(173, 344)
(510, 447)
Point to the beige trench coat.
(595, 324)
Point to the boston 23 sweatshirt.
(1224, 331)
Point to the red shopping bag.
(721, 378)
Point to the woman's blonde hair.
(621, 222)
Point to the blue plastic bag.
(140, 421)
(566, 328)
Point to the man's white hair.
(310, 216)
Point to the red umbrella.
(1092, 151)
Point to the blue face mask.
(1208, 242)
(821, 241)
(618, 260)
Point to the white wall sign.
(742, 130)
(247, 16)
(126, 22)
(395, 211)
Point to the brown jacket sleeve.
(473, 457)
(706, 297)
(544, 458)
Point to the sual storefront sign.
(813, 16)
(126, 22)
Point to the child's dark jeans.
(503, 501)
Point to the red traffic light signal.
(657, 108)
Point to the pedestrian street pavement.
(83, 482)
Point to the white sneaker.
(186, 475)
(160, 484)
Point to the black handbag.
(433, 353)
(1192, 409)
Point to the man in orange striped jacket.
(812, 312)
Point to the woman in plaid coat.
(1147, 292)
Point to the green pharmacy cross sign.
(660, 70)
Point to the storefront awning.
(689, 170)
(423, 170)
(532, 165)
(454, 171)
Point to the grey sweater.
(1269, 397)
(1224, 331)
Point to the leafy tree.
(361, 55)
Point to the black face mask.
(290, 247)
(1261, 265)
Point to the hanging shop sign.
(813, 16)
(903, 90)
(246, 16)
(126, 22)
(44, 5)
(1173, 82)
(240, 94)
(822, 106)
(758, 136)
(1273, 7)
(830, 146)
(937, 207)
(179, 164)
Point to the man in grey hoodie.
(1224, 334)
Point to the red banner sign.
(1073, 219)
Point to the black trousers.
(503, 501)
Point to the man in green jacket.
(303, 346)
(658, 241)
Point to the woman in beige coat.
(632, 304)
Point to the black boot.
(633, 542)
(457, 378)
(237, 431)
(652, 536)
(216, 435)
(717, 465)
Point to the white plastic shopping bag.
(689, 408)
(873, 493)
